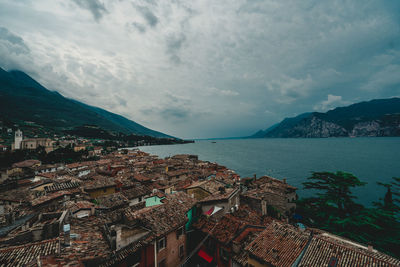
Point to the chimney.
(370, 247)
(221, 189)
(263, 207)
(255, 177)
(284, 180)
(92, 211)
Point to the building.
(100, 186)
(226, 238)
(17, 140)
(224, 201)
(79, 147)
(270, 195)
(202, 189)
(34, 143)
(278, 245)
(281, 244)
(169, 235)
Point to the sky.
(206, 68)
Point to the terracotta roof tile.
(278, 245)
(24, 254)
(175, 207)
(327, 247)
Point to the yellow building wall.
(101, 192)
(198, 193)
(13, 170)
(41, 188)
(255, 263)
(79, 148)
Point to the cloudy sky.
(206, 68)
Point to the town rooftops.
(278, 245)
(87, 243)
(268, 181)
(112, 201)
(62, 186)
(43, 199)
(25, 254)
(166, 217)
(16, 195)
(222, 194)
(142, 178)
(26, 163)
(79, 205)
(122, 254)
(81, 164)
(99, 182)
(231, 225)
(137, 191)
(325, 249)
(211, 186)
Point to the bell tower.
(18, 139)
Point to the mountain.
(379, 117)
(25, 100)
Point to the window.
(161, 243)
(181, 251)
(179, 232)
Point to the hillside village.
(30, 136)
(130, 208)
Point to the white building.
(17, 140)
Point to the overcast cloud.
(205, 68)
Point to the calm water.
(370, 159)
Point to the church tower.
(18, 139)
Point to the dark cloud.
(174, 43)
(14, 53)
(140, 27)
(233, 66)
(95, 7)
(15, 43)
(149, 17)
(174, 108)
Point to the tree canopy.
(334, 208)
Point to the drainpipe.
(155, 253)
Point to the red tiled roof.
(24, 254)
(278, 245)
(26, 163)
(220, 196)
(99, 182)
(230, 225)
(326, 247)
(165, 217)
(49, 197)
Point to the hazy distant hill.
(380, 117)
(24, 99)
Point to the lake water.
(370, 159)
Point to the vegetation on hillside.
(60, 155)
(24, 99)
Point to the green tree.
(334, 191)
(335, 210)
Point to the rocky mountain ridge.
(374, 118)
